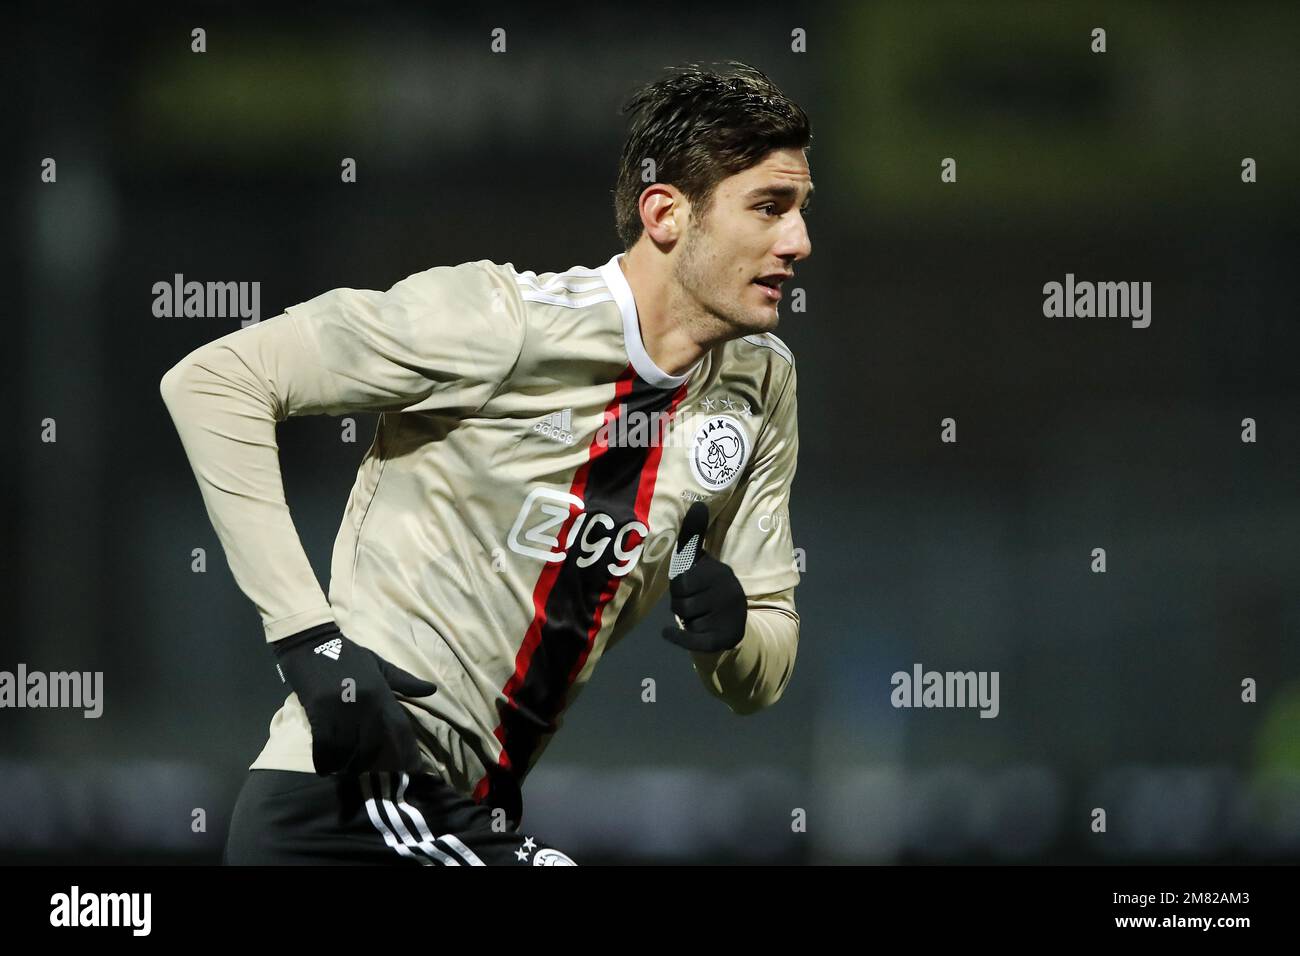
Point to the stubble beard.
(696, 272)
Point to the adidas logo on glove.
(331, 649)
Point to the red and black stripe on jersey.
(568, 600)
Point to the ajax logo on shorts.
(546, 856)
(718, 452)
(550, 857)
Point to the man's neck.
(672, 340)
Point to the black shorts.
(284, 817)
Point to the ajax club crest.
(718, 452)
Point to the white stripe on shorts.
(394, 817)
(450, 839)
(372, 809)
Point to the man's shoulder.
(778, 350)
(575, 287)
(549, 304)
(534, 300)
(758, 371)
(576, 281)
(762, 359)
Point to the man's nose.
(795, 243)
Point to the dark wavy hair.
(701, 126)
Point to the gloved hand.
(706, 595)
(354, 728)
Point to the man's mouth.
(771, 286)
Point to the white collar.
(612, 273)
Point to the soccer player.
(555, 451)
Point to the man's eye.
(768, 208)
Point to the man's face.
(754, 229)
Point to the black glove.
(706, 595)
(353, 729)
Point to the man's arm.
(754, 673)
(753, 537)
(225, 399)
(442, 339)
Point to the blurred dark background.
(1120, 690)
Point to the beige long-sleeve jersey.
(516, 512)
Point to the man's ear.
(663, 212)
